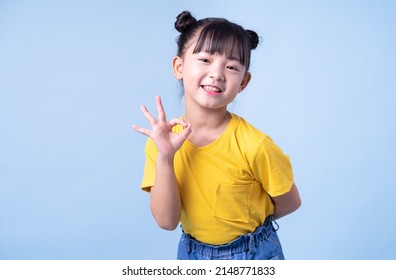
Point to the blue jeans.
(262, 244)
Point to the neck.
(207, 119)
(206, 127)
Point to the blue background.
(74, 73)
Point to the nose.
(216, 74)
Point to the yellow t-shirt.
(225, 187)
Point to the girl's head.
(215, 35)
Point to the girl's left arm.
(286, 203)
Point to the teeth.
(211, 88)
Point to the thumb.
(186, 130)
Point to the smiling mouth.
(212, 90)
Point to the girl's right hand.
(166, 141)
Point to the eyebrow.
(234, 58)
(230, 57)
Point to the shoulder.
(252, 138)
(246, 130)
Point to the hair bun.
(183, 21)
(253, 38)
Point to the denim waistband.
(243, 243)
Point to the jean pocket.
(232, 202)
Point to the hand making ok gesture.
(166, 141)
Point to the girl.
(221, 178)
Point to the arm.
(165, 201)
(286, 203)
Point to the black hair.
(217, 35)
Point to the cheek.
(192, 75)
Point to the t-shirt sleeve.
(149, 166)
(272, 168)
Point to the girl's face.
(211, 81)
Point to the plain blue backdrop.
(74, 73)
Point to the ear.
(245, 81)
(177, 66)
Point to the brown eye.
(204, 60)
(232, 68)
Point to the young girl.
(221, 178)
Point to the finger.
(186, 131)
(141, 130)
(177, 121)
(152, 120)
(160, 109)
(186, 127)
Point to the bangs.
(224, 38)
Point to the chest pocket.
(232, 202)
